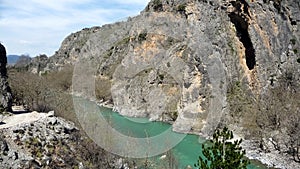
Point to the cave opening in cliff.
(241, 26)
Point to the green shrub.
(295, 51)
(293, 41)
(181, 8)
(157, 5)
(222, 153)
(125, 40)
(161, 77)
(142, 36)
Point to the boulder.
(52, 120)
(50, 114)
(68, 128)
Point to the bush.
(157, 5)
(293, 41)
(181, 8)
(142, 36)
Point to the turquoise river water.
(186, 152)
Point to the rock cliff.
(5, 93)
(178, 58)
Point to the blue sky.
(39, 26)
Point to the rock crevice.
(240, 18)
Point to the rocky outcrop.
(33, 144)
(5, 93)
(51, 142)
(273, 160)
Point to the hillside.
(197, 64)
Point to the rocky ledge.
(268, 156)
(50, 142)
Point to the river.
(186, 152)
(108, 128)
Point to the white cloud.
(59, 5)
(39, 26)
(25, 42)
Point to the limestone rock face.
(5, 92)
(176, 60)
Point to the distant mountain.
(12, 59)
(18, 59)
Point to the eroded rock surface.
(51, 142)
(177, 59)
(5, 93)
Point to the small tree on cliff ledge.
(222, 154)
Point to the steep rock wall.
(5, 93)
(177, 59)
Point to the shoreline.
(273, 159)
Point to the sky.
(35, 27)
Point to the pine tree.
(222, 154)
